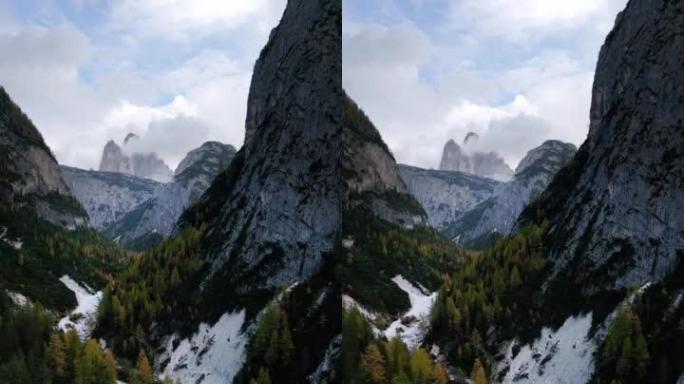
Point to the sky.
(175, 72)
(517, 72)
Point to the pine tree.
(478, 374)
(57, 355)
(372, 364)
(421, 367)
(262, 378)
(286, 346)
(143, 374)
(439, 374)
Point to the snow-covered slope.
(83, 317)
(563, 356)
(412, 326)
(212, 355)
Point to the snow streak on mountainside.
(412, 326)
(82, 318)
(212, 355)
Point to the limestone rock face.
(615, 212)
(371, 174)
(446, 195)
(276, 211)
(107, 196)
(145, 165)
(496, 216)
(201, 165)
(127, 208)
(484, 164)
(29, 173)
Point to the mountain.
(200, 166)
(446, 195)
(44, 232)
(145, 165)
(468, 160)
(613, 210)
(107, 196)
(141, 212)
(250, 265)
(483, 223)
(30, 176)
(612, 235)
(371, 174)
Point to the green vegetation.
(30, 353)
(293, 333)
(625, 350)
(48, 252)
(368, 360)
(383, 250)
(147, 291)
(498, 287)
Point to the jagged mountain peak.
(484, 164)
(146, 165)
(541, 163)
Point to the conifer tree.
(478, 374)
(373, 364)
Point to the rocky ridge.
(145, 165)
(465, 159)
(127, 208)
(614, 211)
(480, 226)
(30, 175)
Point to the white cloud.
(179, 19)
(530, 19)
(162, 69)
(495, 67)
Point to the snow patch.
(564, 356)
(17, 298)
(412, 325)
(82, 319)
(16, 244)
(324, 367)
(213, 355)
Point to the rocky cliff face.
(446, 195)
(372, 175)
(496, 216)
(107, 196)
(145, 165)
(29, 173)
(615, 211)
(464, 159)
(275, 212)
(200, 166)
(127, 208)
